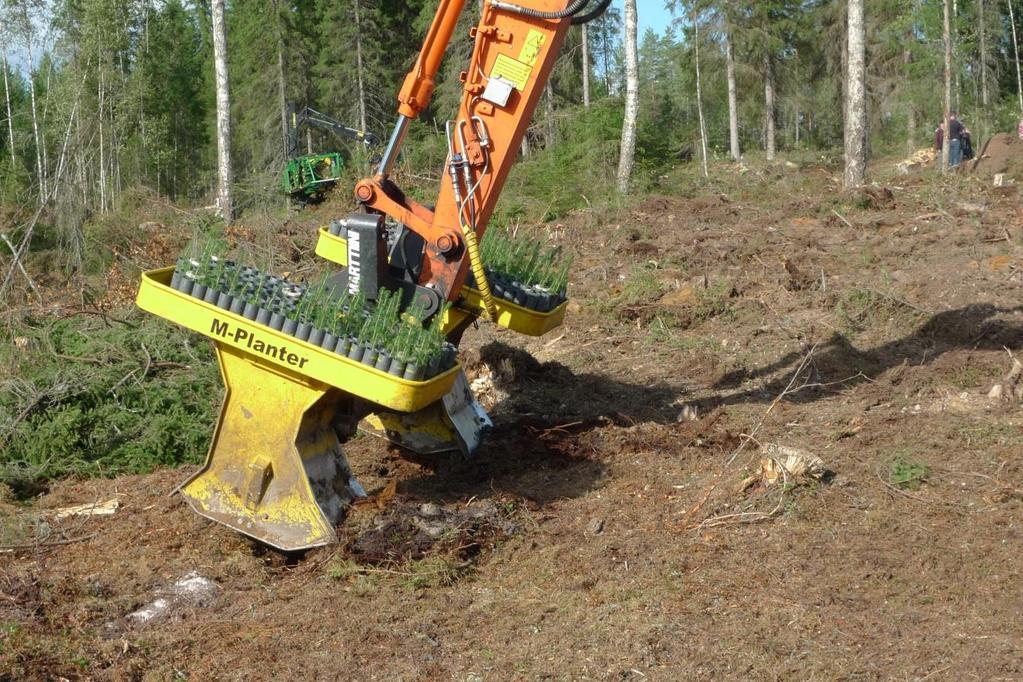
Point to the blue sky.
(651, 14)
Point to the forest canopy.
(105, 95)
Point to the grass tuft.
(907, 474)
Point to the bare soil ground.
(604, 531)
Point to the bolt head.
(446, 243)
(363, 192)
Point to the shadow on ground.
(837, 365)
(538, 450)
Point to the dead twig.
(842, 218)
(17, 262)
(748, 438)
(46, 545)
(750, 517)
(901, 301)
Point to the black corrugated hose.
(575, 6)
(591, 15)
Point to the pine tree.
(169, 79)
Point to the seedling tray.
(286, 353)
(509, 315)
(514, 317)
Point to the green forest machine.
(310, 176)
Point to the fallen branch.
(750, 437)
(17, 262)
(842, 218)
(46, 545)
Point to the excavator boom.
(514, 49)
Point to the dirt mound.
(1002, 153)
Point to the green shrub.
(90, 395)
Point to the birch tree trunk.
(223, 113)
(102, 158)
(907, 59)
(910, 130)
(958, 89)
(282, 97)
(628, 148)
(586, 68)
(699, 95)
(550, 130)
(1015, 48)
(947, 37)
(769, 107)
(855, 98)
(982, 29)
(7, 102)
(605, 50)
(282, 94)
(43, 125)
(358, 68)
(37, 138)
(733, 100)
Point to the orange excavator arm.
(515, 47)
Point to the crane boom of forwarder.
(309, 176)
(310, 117)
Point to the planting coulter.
(299, 380)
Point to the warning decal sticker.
(531, 49)
(511, 70)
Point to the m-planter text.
(249, 340)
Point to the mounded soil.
(1003, 153)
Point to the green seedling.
(527, 261)
(233, 281)
(353, 315)
(409, 332)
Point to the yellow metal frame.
(514, 317)
(282, 352)
(332, 248)
(508, 315)
(275, 470)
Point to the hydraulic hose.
(472, 248)
(574, 6)
(592, 14)
(457, 165)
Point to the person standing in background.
(966, 144)
(955, 147)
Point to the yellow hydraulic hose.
(472, 247)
